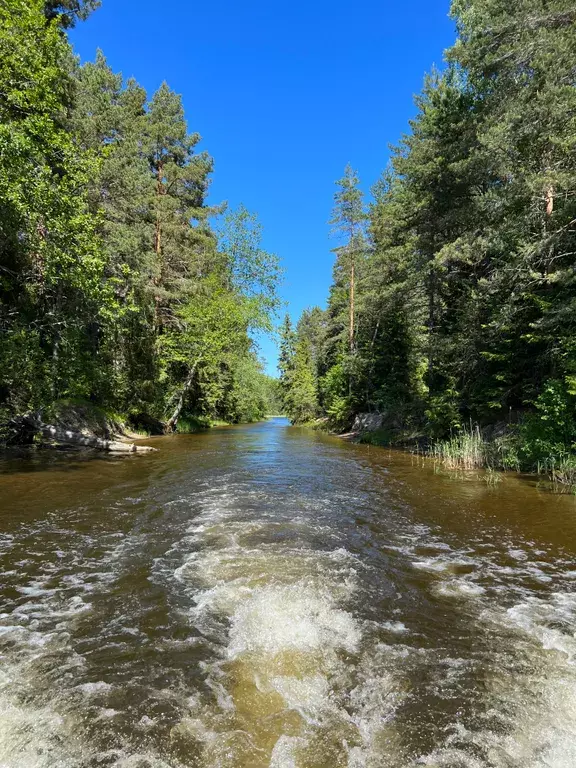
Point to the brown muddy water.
(268, 596)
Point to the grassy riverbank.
(533, 444)
(498, 448)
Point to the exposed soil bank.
(71, 425)
(84, 426)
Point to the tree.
(212, 329)
(312, 326)
(108, 119)
(303, 399)
(182, 241)
(348, 221)
(66, 12)
(114, 286)
(298, 378)
(209, 329)
(251, 396)
(286, 361)
(467, 307)
(248, 268)
(52, 284)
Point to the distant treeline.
(454, 291)
(118, 284)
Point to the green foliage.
(249, 396)
(114, 286)
(337, 402)
(250, 269)
(470, 449)
(272, 396)
(464, 450)
(52, 282)
(442, 412)
(298, 383)
(188, 425)
(382, 437)
(549, 433)
(348, 216)
(562, 470)
(464, 302)
(67, 11)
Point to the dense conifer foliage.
(462, 306)
(118, 284)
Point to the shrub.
(548, 435)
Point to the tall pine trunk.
(550, 200)
(158, 246)
(352, 309)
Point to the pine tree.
(467, 304)
(348, 220)
(181, 241)
(66, 12)
(113, 285)
(108, 119)
(286, 362)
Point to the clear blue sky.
(284, 95)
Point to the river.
(269, 596)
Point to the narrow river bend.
(268, 596)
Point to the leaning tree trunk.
(68, 437)
(173, 420)
(24, 429)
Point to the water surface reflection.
(268, 596)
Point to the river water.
(268, 596)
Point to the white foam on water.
(396, 627)
(43, 713)
(280, 614)
(551, 622)
(34, 738)
(92, 689)
(309, 696)
(273, 619)
(458, 588)
(533, 710)
(285, 752)
(293, 677)
(298, 671)
(32, 735)
(373, 704)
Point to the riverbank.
(494, 448)
(82, 425)
(73, 425)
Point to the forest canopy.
(453, 298)
(119, 284)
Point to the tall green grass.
(561, 470)
(464, 450)
(469, 449)
(188, 425)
